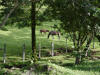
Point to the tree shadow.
(86, 66)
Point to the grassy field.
(62, 64)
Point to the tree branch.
(9, 14)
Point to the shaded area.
(87, 66)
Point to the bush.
(3, 28)
(3, 72)
(16, 64)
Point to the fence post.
(4, 54)
(24, 52)
(52, 51)
(93, 41)
(93, 44)
(66, 46)
(39, 50)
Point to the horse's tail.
(48, 35)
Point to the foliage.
(19, 15)
(3, 28)
(78, 19)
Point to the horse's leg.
(41, 32)
(52, 36)
(48, 35)
(58, 36)
(45, 33)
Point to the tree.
(14, 12)
(15, 4)
(33, 27)
(4, 2)
(78, 20)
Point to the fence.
(52, 48)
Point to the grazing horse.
(43, 31)
(98, 37)
(54, 33)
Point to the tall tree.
(33, 28)
(77, 19)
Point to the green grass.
(15, 38)
(63, 64)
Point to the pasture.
(61, 64)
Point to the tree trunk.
(93, 43)
(24, 52)
(66, 45)
(39, 50)
(8, 15)
(4, 54)
(93, 40)
(52, 51)
(78, 57)
(87, 46)
(33, 27)
(77, 61)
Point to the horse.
(54, 33)
(43, 31)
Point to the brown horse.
(54, 33)
(43, 31)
